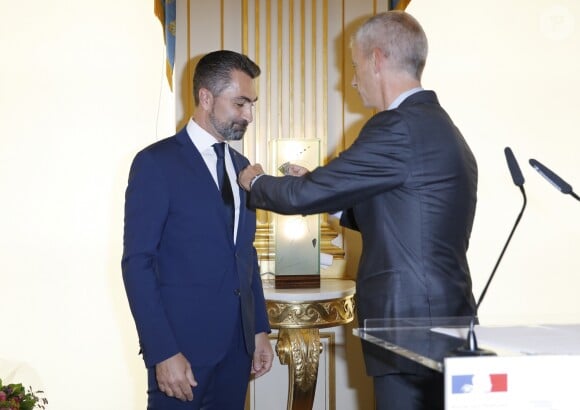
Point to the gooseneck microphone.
(518, 179)
(470, 347)
(552, 178)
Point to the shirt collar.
(202, 139)
(402, 97)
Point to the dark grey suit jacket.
(408, 184)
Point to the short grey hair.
(399, 36)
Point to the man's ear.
(205, 99)
(377, 57)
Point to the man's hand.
(296, 170)
(247, 174)
(175, 377)
(263, 356)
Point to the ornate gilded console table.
(298, 314)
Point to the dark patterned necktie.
(224, 183)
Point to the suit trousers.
(400, 391)
(221, 386)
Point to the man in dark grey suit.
(408, 184)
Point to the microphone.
(552, 178)
(514, 168)
(470, 348)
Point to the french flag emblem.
(483, 383)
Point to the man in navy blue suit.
(189, 265)
(408, 185)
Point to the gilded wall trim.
(296, 105)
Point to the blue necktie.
(224, 184)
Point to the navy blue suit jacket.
(185, 279)
(408, 184)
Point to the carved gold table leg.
(298, 315)
(300, 350)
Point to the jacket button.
(237, 292)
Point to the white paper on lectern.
(536, 339)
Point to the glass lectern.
(427, 341)
(534, 366)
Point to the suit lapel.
(202, 175)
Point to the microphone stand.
(470, 347)
(504, 247)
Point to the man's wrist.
(254, 180)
